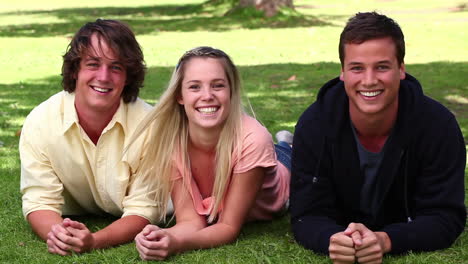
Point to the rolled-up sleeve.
(40, 186)
(140, 198)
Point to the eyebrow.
(384, 62)
(89, 57)
(117, 63)
(353, 63)
(94, 58)
(214, 80)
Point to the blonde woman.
(217, 164)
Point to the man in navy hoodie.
(377, 166)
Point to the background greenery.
(283, 62)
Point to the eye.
(92, 65)
(194, 87)
(383, 67)
(117, 68)
(218, 86)
(356, 68)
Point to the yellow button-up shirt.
(63, 171)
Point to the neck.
(93, 123)
(205, 141)
(373, 130)
(378, 124)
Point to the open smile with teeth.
(100, 89)
(370, 94)
(207, 110)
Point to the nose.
(370, 78)
(207, 93)
(103, 74)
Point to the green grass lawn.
(34, 35)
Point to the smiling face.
(100, 80)
(205, 94)
(371, 76)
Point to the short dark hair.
(371, 25)
(121, 40)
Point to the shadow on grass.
(154, 19)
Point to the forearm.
(384, 241)
(424, 233)
(119, 232)
(190, 238)
(314, 232)
(313, 206)
(41, 222)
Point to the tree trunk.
(269, 7)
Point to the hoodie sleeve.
(437, 202)
(312, 197)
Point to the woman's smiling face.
(205, 93)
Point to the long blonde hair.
(169, 133)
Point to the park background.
(283, 61)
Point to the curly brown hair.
(372, 25)
(121, 40)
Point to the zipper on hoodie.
(405, 187)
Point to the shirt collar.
(70, 116)
(119, 117)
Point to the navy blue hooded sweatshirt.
(420, 183)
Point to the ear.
(342, 75)
(402, 71)
(180, 100)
